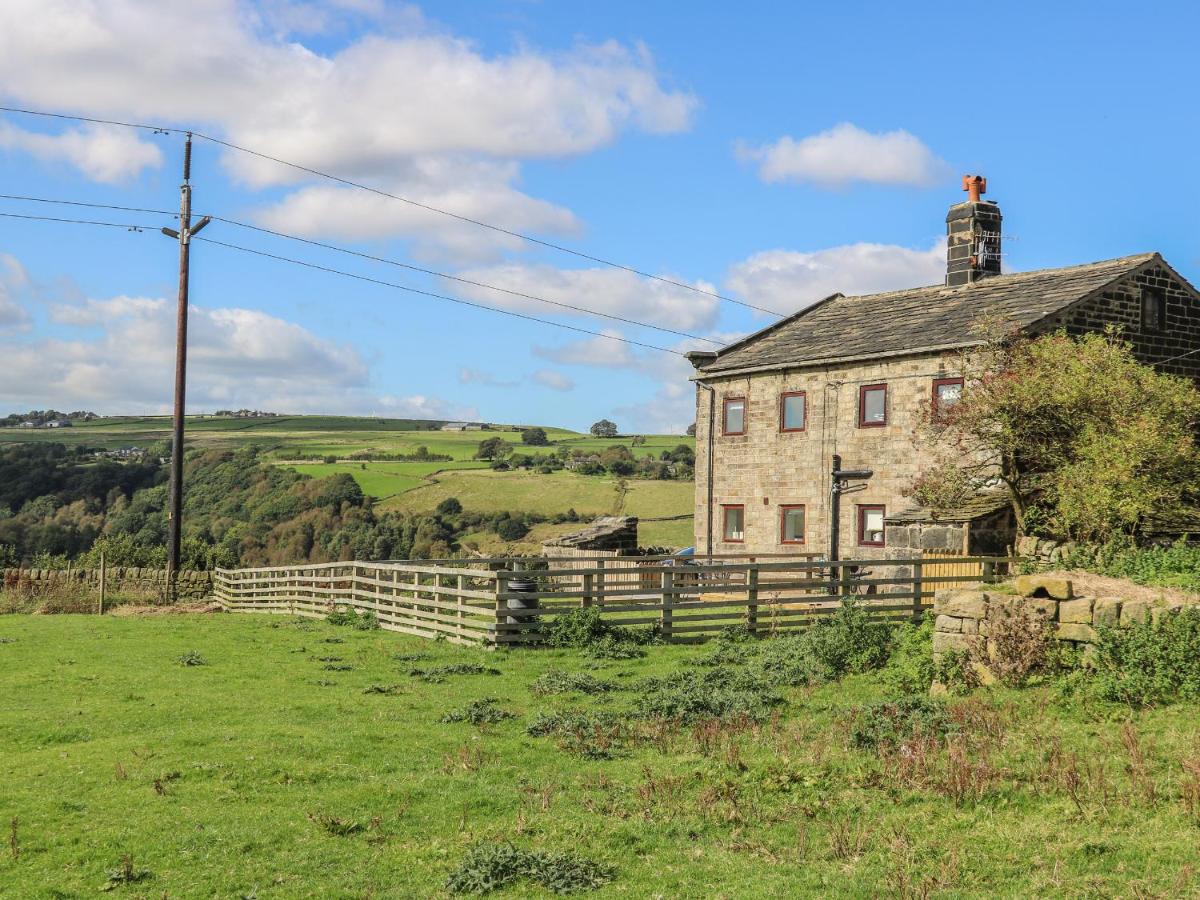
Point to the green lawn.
(267, 774)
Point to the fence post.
(752, 600)
(599, 582)
(460, 605)
(989, 571)
(918, 587)
(103, 583)
(668, 600)
(501, 587)
(588, 579)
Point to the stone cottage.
(852, 377)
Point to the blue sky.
(771, 152)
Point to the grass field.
(267, 772)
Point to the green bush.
(846, 642)
(585, 629)
(889, 723)
(490, 867)
(1148, 664)
(911, 668)
(364, 621)
(1177, 565)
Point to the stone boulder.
(1044, 586)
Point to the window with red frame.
(872, 405)
(733, 415)
(793, 411)
(947, 392)
(733, 523)
(870, 525)
(791, 523)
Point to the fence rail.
(487, 602)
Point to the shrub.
(956, 671)
(889, 723)
(586, 630)
(364, 621)
(1148, 663)
(840, 644)
(449, 507)
(511, 529)
(490, 867)
(911, 668)
(1022, 644)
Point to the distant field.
(588, 495)
(416, 486)
(385, 479)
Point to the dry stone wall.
(118, 580)
(964, 618)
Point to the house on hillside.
(852, 376)
(464, 426)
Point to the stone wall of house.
(964, 618)
(767, 468)
(1122, 305)
(150, 583)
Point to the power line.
(415, 203)
(380, 259)
(431, 294)
(125, 225)
(378, 281)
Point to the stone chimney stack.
(972, 235)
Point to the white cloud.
(845, 154)
(556, 381)
(485, 379)
(13, 279)
(787, 280)
(607, 290)
(477, 189)
(422, 406)
(383, 107)
(123, 361)
(603, 352)
(105, 153)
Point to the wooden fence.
(472, 601)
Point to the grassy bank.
(302, 759)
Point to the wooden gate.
(970, 572)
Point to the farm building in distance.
(854, 376)
(465, 426)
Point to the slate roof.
(927, 318)
(981, 504)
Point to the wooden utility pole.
(184, 236)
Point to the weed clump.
(478, 712)
(889, 723)
(1022, 645)
(847, 642)
(490, 867)
(192, 658)
(438, 674)
(558, 682)
(364, 621)
(587, 734)
(390, 690)
(585, 629)
(1150, 663)
(336, 826)
(126, 874)
(911, 668)
(715, 693)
